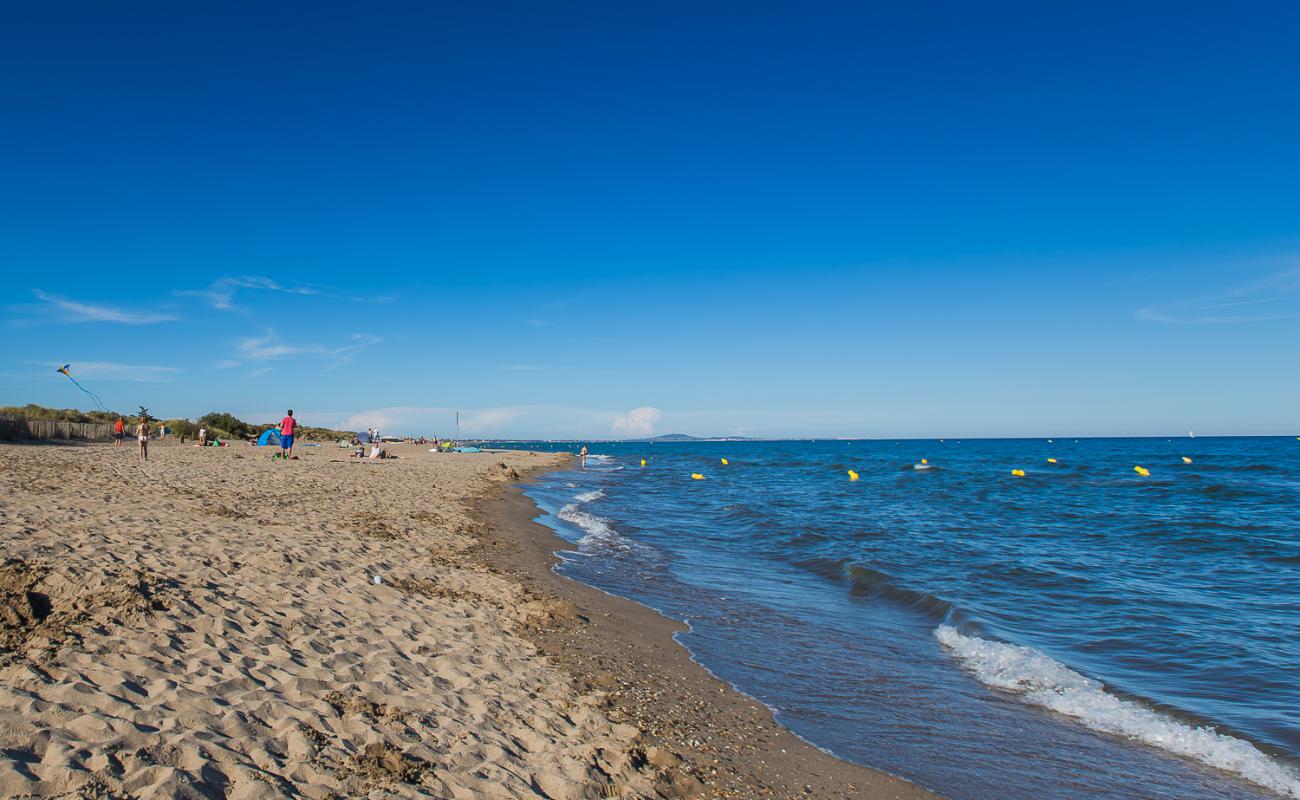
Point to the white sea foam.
(587, 497)
(596, 530)
(1040, 680)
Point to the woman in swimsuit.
(142, 436)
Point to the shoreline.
(215, 623)
(720, 742)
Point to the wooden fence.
(14, 426)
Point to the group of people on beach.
(288, 427)
(141, 436)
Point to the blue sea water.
(1082, 631)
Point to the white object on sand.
(378, 580)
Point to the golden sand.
(209, 624)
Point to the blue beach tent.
(269, 436)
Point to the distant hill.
(674, 437)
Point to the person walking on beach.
(119, 431)
(203, 437)
(142, 438)
(583, 453)
(287, 426)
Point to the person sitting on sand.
(142, 437)
(119, 431)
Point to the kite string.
(91, 394)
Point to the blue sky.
(595, 220)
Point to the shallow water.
(1083, 631)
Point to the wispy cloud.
(222, 292)
(113, 371)
(270, 347)
(67, 310)
(1272, 297)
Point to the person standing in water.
(287, 426)
(142, 438)
(583, 453)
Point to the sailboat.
(1191, 435)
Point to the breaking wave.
(1042, 681)
(596, 530)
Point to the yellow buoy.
(853, 476)
(1019, 473)
(925, 461)
(643, 462)
(725, 462)
(1186, 460)
(1051, 461)
(695, 476)
(1143, 471)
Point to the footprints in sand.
(225, 640)
(41, 608)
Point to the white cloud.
(637, 423)
(221, 293)
(269, 347)
(73, 311)
(1272, 297)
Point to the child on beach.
(119, 431)
(142, 437)
(287, 427)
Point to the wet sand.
(208, 625)
(720, 738)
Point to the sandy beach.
(209, 624)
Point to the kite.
(65, 370)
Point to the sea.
(1080, 631)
